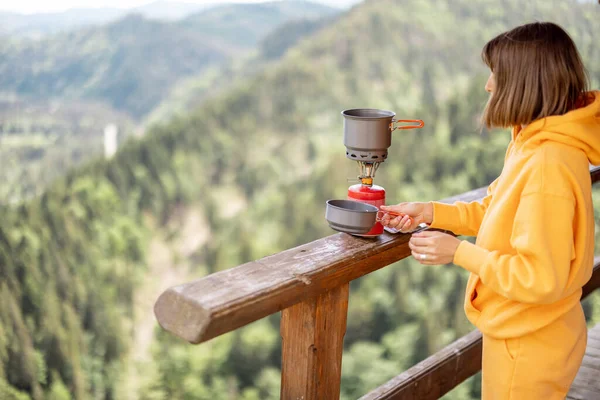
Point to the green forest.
(246, 174)
(132, 63)
(59, 92)
(41, 139)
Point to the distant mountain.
(54, 118)
(170, 10)
(189, 93)
(37, 25)
(40, 24)
(278, 41)
(255, 20)
(132, 63)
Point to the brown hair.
(538, 73)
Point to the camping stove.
(367, 137)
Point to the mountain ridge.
(131, 63)
(37, 25)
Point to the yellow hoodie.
(535, 229)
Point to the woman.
(535, 229)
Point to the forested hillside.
(189, 94)
(41, 139)
(132, 63)
(41, 24)
(58, 94)
(254, 167)
(243, 25)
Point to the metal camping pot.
(368, 133)
(353, 217)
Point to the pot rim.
(346, 114)
(373, 210)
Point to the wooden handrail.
(441, 372)
(310, 283)
(226, 300)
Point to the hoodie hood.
(579, 128)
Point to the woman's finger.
(422, 241)
(402, 223)
(429, 259)
(420, 249)
(385, 220)
(404, 220)
(398, 208)
(395, 222)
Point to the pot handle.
(395, 214)
(416, 121)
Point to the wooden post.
(312, 335)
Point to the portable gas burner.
(367, 137)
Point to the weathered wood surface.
(312, 334)
(224, 301)
(587, 382)
(595, 174)
(227, 300)
(594, 282)
(436, 375)
(444, 370)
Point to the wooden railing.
(310, 285)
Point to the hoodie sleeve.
(462, 218)
(542, 239)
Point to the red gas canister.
(374, 195)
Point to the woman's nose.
(489, 85)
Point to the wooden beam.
(312, 335)
(594, 282)
(436, 375)
(595, 174)
(227, 300)
(224, 301)
(444, 370)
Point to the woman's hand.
(415, 214)
(433, 248)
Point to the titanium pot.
(352, 217)
(368, 133)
